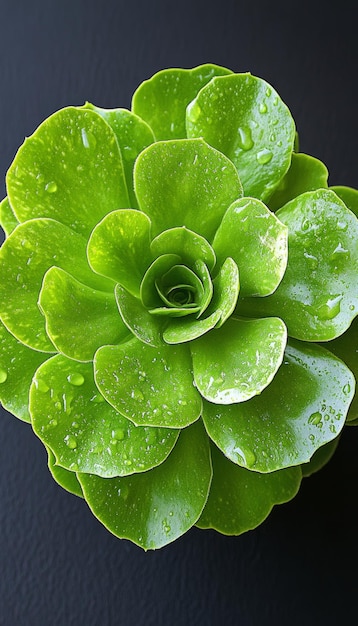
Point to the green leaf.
(185, 183)
(346, 348)
(243, 117)
(306, 173)
(65, 478)
(181, 292)
(154, 508)
(150, 386)
(148, 290)
(70, 170)
(318, 296)
(349, 197)
(25, 256)
(83, 431)
(79, 319)
(162, 100)
(185, 243)
(302, 409)
(240, 500)
(250, 353)
(119, 248)
(146, 327)
(257, 241)
(18, 364)
(133, 135)
(320, 458)
(188, 329)
(226, 287)
(8, 221)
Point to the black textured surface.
(59, 566)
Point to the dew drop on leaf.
(264, 156)
(51, 187)
(71, 442)
(3, 375)
(245, 141)
(330, 309)
(76, 379)
(315, 418)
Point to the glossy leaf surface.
(271, 432)
(243, 117)
(185, 183)
(154, 508)
(70, 170)
(306, 173)
(83, 431)
(65, 478)
(240, 500)
(257, 241)
(162, 100)
(8, 220)
(250, 353)
(150, 386)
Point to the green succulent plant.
(179, 292)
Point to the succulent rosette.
(178, 296)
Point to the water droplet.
(123, 491)
(246, 457)
(263, 107)
(245, 140)
(136, 394)
(306, 225)
(312, 260)
(118, 434)
(342, 225)
(76, 379)
(315, 418)
(311, 437)
(51, 187)
(3, 375)
(74, 467)
(97, 398)
(127, 462)
(88, 140)
(71, 442)
(339, 254)
(332, 428)
(330, 309)
(152, 436)
(166, 526)
(346, 389)
(193, 111)
(264, 156)
(351, 307)
(53, 422)
(41, 385)
(268, 92)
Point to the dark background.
(58, 565)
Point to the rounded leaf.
(150, 386)
(302, 409)
(162, 100)
(70, 170)
(257, 241)
(185, 183)
(154, 508)
(240, 500)
(306, 173)
(250, 353)
(83, 431)
(65, 478)
(244, 117)
(8, 220)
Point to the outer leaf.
(70, 169)
(133, 135)
(84, 432)
(302, 409)
(17, 367)
(318, 296)
(150, 386)
(257, 241)
(119, 248)
(154, 508)
(240, 500)
(243, 117)
(8, 220)
(25, 256)
(185, 183)
(346, 348)
(188, 245)
(79, 319)
(65, 478)
(320, 458)
(250, 353)
(162, 100)
(306, 173)
(137, 318)
(349, 197)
